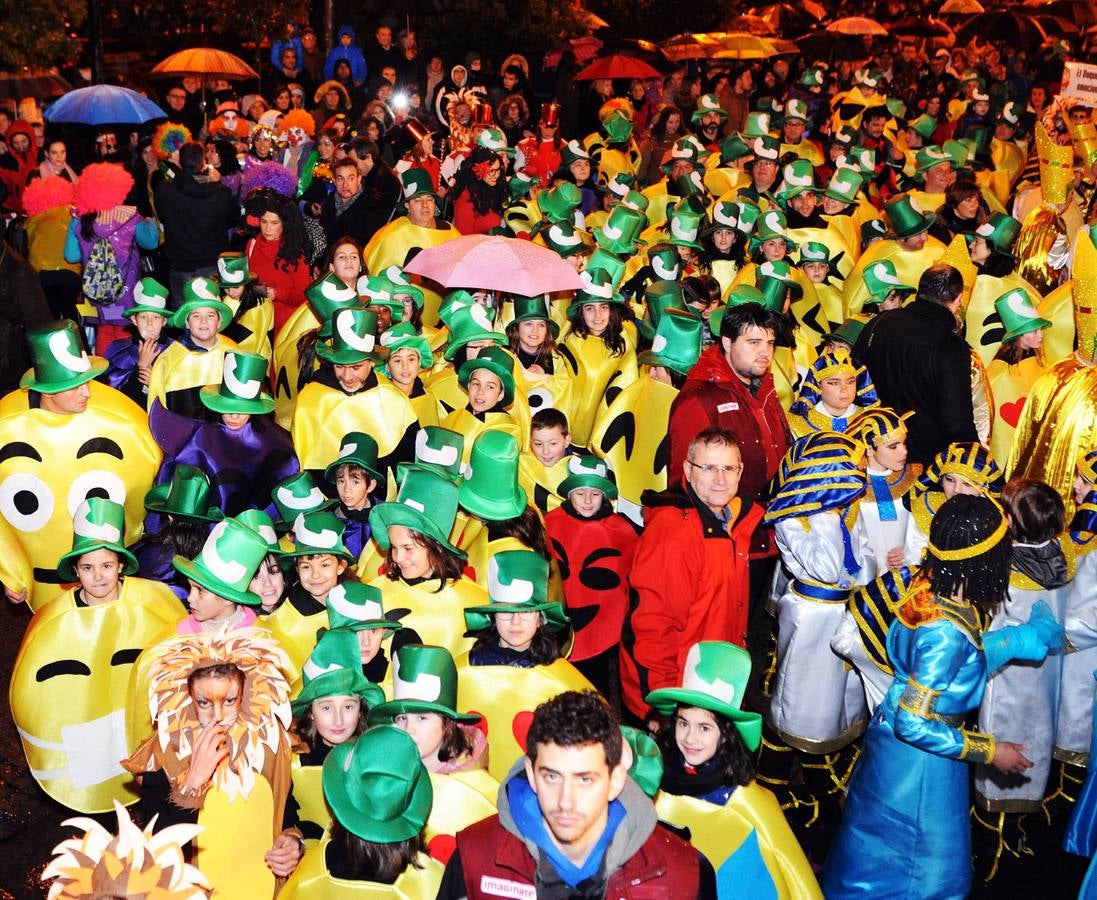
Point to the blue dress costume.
(906, 832)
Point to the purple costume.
(126, 239)
(122, 374)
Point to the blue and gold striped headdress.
(820, 472)
(828, 366)
(970, 461)
(879, 426)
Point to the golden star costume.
(392, 244)
(69, 686)
(52, 462)
(1043, 225)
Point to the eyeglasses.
(519, 615)
(713, 470)
(177, 96)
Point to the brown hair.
(445, 565)
(305, 726)
(713, 436)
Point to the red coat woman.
(278, 255)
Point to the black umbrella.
(41, 84)
(919, 26)
(832, 45)
(1008, 26)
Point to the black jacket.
(918, 362)
(23, 308)
(196, 216)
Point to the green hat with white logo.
(241, 387)
(685, 149)
(758, 125)
(326, 296)
(201, 293)
(470, 323)
(1018, 314)
(404, 337)
(227, 562)
(534, 309)
(999, 231)
(798, 178)
(426, 503)
(334, 669)
(233, 269)
(494, 139)
(260, 522)
(491, 490)
(497, 361)
(295, 495)
(401, 287)
(659, 296)
(424, 679)
(565, 239)
(517, 582)
(588, 471)
(60, 361)
(904, 217)
(715, 678)
(559, 203)
(99, 524)
(881, 279)
(353, 338)
(417, 183)
(796, 111)
(677, 342)
(708, 103)
(359, 448)
(189, 494)
(437, 450)
(598, 288)
(380, 291)
(317, 533)
(683, 226)
(620, 233)
(779, 270)
(357, 607)
(732, 148)
(924, 126)
(572, 152)
(816, 252)
(617, 127)
(928, 157)
(844, 185)
(772, 225)
(150, 296)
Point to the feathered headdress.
(298, 118)
(46, 193)
(140, 865)
(168, 138)
(270, 175)
(264, 714)
(102, 186)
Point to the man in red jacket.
(571, 822)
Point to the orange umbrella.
(204, 61)
(752, 24)
(857, 25)
(961, 8)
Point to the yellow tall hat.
(1084, 137)
(1056, 166)
(1084, 293)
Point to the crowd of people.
(763, 562)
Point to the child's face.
(892, 301)
(149, 325)
(581, 170)
(206, 606)
(952, 484)
(369, 642)
(549, 445)
(353, 489)
(485, 390)
(408, 555)
(403, 366)
(1081, 487)
(336, 718)
(98, 573)
(532, 334)
(722, 239)
(236, 291)
(837, 346)
(269, 583)
(816, 271)
(891, 456)
(596, 317)
(586, 500)
(216, 699)
(837, 393)
(235, 421)
(320, 573)
(202, 324)
(426, 729)
(774, 249)
(517, 629)
(697, 735)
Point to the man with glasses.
(690, 580)
(180, 111)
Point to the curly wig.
(102, 186)
(46, 193)
(608, 108)
(168, 138)
(298, 118)
(485, 198)
(295, 247)
(269, 175)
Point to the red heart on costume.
(519, 727)
(442, 847)
(1011, 412)
(483, 723)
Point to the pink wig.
(102, 186)
(46, 193)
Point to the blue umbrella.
(104, 104)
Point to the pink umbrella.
(493, 263)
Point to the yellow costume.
(436, 615)
(391, 245)
(312, 881)
(286, 365)
(909, 266)
(180, 369)
(594, 371)
(1010, 387)
(258, 323)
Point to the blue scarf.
(881, 495)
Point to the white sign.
(1080, 83)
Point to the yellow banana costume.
(180, 369)
(312, 881)
(436, 615)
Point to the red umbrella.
(618, 65)
(493, 263)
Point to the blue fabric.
(906, 832)
(1081, 836)
(528, 818)
(881, 495)
(746, 867)
(849, 558)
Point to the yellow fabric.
(984, 326)
(236, 837)
(506, 697)
(460, 799)
(1010, 386)
(830, 299)
(725, 179)
(437, 616)
(390, 247)
(312, 881)
(259, 320)
(286, 364)
(426, 409)
(15, 568)
(61, 481)
(833, 239)
(909, 266)
(179, 369)
(541, 391)
(323, 415)
(659, 200)
(724, 271)
(595, 372)
(718, 831)
(1058, 308)
(294, 632)
(464, 422)
(46, 236)
(957, 255)
(75, 765)
(308, 791)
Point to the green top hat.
(862, 159)
(1018, 314)
(928, 157)
(925, 126)
(766, 148)
(796, 111)
(815, 252)
(380, 291)
(565, 239)
(599, 289)
(420, 491)
(999, 231)
(150, 296)
(495, 360)
(227, 562)
(757, 125)
(812, 77)
(377, 787)
(316, 533)
(327, 295)
(357, 607)
(659, 296)
(1009, 114)
(845, 137)
(692, 185)
(233, 269)
(897, 108)
(60, 361)
(424, 679)
(99, 524)
(733, 147)
(417, 183)
(359, 448)
(847, 332)
(904, 217)
(715, 678)
(685, 149)
(588, 471)
(611, 263)
(872, 229)
(881, 279)
(708, 103)
(558, 204)
(646, 764)
(259, 522)
(740, 294)
(619, 184)
(517, 582)
(724, 217)
(353, 338)
(771, 226)
(665, 262)
(491, 490)
(437, 450)
(634, 200)
(401, 287)
(201, 293)
(774, 291)
(683, 226)
(533, 309)
(188, 494)
(241, 387)
(468, 324)
(798, 178)
(747, 215)
(295, 495)
(620, 233)
(959, 151)
(334, 669)
(573, 151)
(617, 127)
(403, 337)
(677, 342)
(494, 139)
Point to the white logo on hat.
(414, 504)
(409, 189)
(291, 501)
(692, 680)
(144, 298)
(86, 528)
(329, 290)
(770, 271)
(772, 222)
(1019, 303)
(337, 601)
(577, 149)
(718, 215)
(985, 230)
(348, 449)
(681, 151)
(791, 178)
(363, 343)
(373, 293)
(229, 571)
(60, 345)
(619, 189)
(445, 455)
(518, 592)
(479, 314)
(665, 273)
(809, 253)
(246, 390)
(601, 291)
(312, 671)
(614, 234)
(577, 466)
(267, 533)
(396, 274)
(201, 289)
(709, 102)
(659, 343)
(325, 537)
(390, 337)
(883, 275)
(426, 687)
(682, 231)
(557, 236)
(762, 151)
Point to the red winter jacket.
(289, 283)
(714, 395)
(690, 582)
